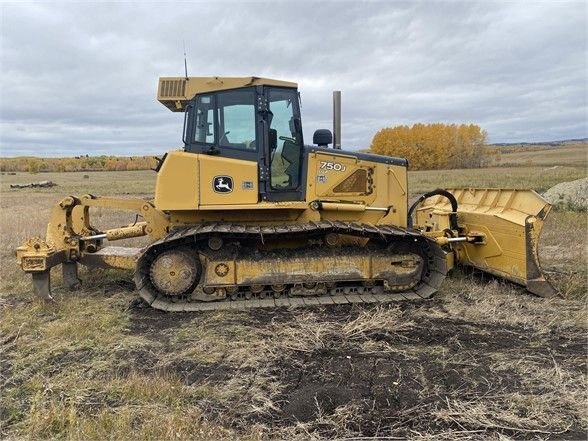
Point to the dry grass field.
(482, 360)
(573, 154)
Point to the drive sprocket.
(175, 272)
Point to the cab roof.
(175, 92)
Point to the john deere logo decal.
(222, 184)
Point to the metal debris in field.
(40, 184)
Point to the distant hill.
(544, 143)
(532, 155)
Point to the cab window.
(204, 130)
(236, 119)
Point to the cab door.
(284, 160)
(225, 134)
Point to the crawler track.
(334, 292)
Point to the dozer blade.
(510, 222)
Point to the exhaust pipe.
(337, 119)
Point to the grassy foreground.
(482, 360)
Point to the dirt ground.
(434, 374)
(482, 360)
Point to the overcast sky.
(82, 78)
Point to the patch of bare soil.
(444, 376)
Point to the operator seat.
(291, 153)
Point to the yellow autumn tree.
(434, 146)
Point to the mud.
(390, 392)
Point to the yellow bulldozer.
(246, 215)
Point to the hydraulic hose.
(437, 192)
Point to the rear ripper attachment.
(71, 239)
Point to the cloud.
(81, 78)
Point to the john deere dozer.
(246, 215)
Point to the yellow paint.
(501, 216)
(337, 206)
(244, 176)
(123, 262)
(175, 92)
(388, 189)
(177, 182)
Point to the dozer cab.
(246, 215)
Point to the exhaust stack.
(337, 119)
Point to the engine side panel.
(340, 177)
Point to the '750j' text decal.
(326, 165)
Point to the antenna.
(185, 62)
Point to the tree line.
(78, 163)
(434, 146)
